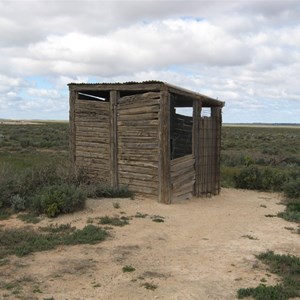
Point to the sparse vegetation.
(127, 269)
(114, 221)
(29, 218)
(149, 286)
(116, 205)
(24, 241)
(286, 266)
(260, 158)
(43, 181)
(140, 215)
(158, 219)
(99, 190)
(250, 237)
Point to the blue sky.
(246, 53)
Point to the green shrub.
(18, 203)
(292, 189)
(248, 178)
(58, 199)
(255, 178)
(114, 221)
(128, 269)
(291, 213)
(98, 190)
(287, 266)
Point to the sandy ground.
(201, 251)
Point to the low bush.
(292, 189)
(98, 190)
(18, 203)
(58, 199)
(255, 178)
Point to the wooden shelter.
(135, 134)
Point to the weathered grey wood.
(97, 155)
(142, 109)
(72, 134)
(140, 98)
(92, 131)
(183, 176)
(164, 191)
(117, 87)
(138, 169)
(142, 183)
(136, 131)
(114, 97)
(140, 103)
(95, 139)
(195, 144)
(136, 117)
(188, 195)
(139, 176)
(138, 123)
(216, 116)
(91, 144)
(143, 189)
(183, 164)
(91, 124)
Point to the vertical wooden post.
(72, 127)
(196, 142)
(114, 96)
(164, 177)
(216, 118)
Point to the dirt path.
(204, 250)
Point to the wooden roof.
(146, 86)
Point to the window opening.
(94, 95)
(206, 112)
(181, 133)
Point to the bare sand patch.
(202, 250)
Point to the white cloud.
(244, 52)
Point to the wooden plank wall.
(182, 135)
(183, 177)
(138, 142)
(92, 138)
(209, 160)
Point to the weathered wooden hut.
(135, 134)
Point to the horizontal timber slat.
(93, 104)
(139, 110)
(91, 161)
(88, 119)
(91, 124)
(146, 116)
(138, 169)
(188, 195)
(184, 164)
(90, 131)
(138, 145)
(138, 163)
(188, 186)
(97, 154)
(93, 138)
(91, 144)
(139, 176)
(138, 132)
(147, 183)
(143, 189)
(138, 123)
